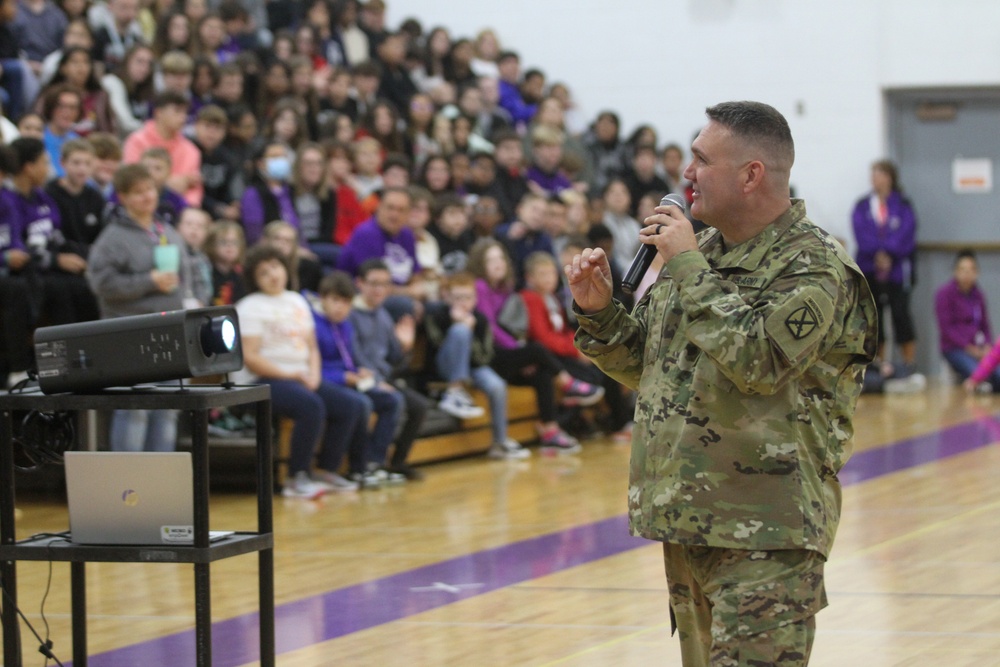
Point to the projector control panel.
(161, 346)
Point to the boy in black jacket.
(460, 343)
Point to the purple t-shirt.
(228, 51)
(553, 183)
(10, 232)
(32, 223)
(369, 241)
(253, 211)
(489, 301)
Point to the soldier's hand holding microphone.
(667, 232)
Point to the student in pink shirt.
(164, 131)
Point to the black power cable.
(43, 438)
(44, 645)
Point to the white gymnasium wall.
(823, 64)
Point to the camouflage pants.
(736, 608)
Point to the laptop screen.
(130, 497)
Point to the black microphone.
(640, 264)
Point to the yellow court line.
(920, 531)
(604, 645)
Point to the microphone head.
(674, 199)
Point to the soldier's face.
(714, 172)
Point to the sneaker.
(457, 403)
(558, 441)
(911, 384)
(221, 428)
(301, 486)
(624, 435)
(407, 471)
(903, 371)
(386, 476)
(581, 393)
(508, 449)
(249, 422)
(370, 479)
(331, 481)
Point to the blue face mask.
(278, 168)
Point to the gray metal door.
(928, 131)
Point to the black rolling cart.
(194, 402)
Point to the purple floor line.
(346, 610)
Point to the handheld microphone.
(640, 264)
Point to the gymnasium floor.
(530, 563)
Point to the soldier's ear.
(752, 175)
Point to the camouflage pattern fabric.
(737, 608)
(748, 362)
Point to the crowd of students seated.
(356, 191)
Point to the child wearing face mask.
(269, 197)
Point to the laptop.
(139, 498)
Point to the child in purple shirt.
(545, 173)
(35, 226)
(357, 385)
(269, 197)
(516, 360)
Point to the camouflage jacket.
(748, 363)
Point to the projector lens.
(228, 334)
(218, 336)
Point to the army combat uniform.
(748, 362)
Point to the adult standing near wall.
(748, 354)
(885, 228)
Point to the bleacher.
(442, 437)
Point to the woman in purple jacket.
(964, 322)
(885, 228)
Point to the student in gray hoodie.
(384, 346)
(131, 276)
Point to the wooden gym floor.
(530, 563)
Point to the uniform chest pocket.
(664, 316)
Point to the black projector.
(133, 350)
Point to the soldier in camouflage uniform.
(748, 354)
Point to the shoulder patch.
(804, 319)
(800, 323)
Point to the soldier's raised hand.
(589, 278)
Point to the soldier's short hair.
(760, 124)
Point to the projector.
(133, 350)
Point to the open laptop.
(143, 498)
